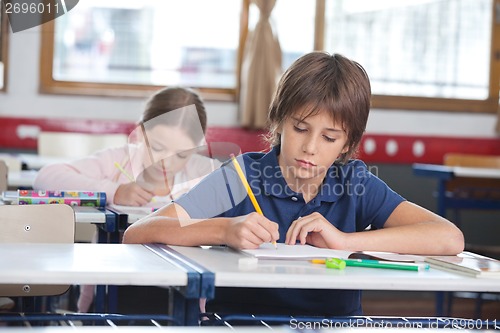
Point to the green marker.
(387, 265)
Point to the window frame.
(50, 86)
(490, 105)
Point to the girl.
(158, 164)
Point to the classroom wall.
(23, 100)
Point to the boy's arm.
(411, 229)
(173, 225)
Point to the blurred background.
(434, 67)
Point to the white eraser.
(248, 262)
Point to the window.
(137, 45)
(419, 54)
(417, 48)
(295, 39)
(4, 32)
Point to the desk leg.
(440, 303)
(99, 300)
(441, 210)
(192, 312)
(185, 311)
(112, 299)
(102, 236)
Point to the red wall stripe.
(375, 148)
(423, 149)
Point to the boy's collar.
(274, 183)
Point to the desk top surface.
(231, 272)
(22, 178)
(115, 264)
(443, 171)
(83, 214)
(89, 215)
(476, 172)
(33, 161)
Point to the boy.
(310, 191)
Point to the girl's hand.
(132, 194)
(315, 230)
(250, 231)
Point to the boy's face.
(309, 147)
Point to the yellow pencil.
(318, 261)
(122, 170)
(248, 188)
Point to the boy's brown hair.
(320, 81)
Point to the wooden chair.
(471, 160)
(35, 224)
(472, 193)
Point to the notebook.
(467, 263)
(303, 252)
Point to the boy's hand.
(315, 230)
(132, 194)
(250, 231)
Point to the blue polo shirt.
(351, 198)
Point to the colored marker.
(387, 265)
(373, 264)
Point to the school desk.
(31, 161)
(102, 264)
(106, 220)
(24, 167)
(124, 216)
(445, 174)
(230, 271)
(21, 179)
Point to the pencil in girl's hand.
(125, 173)
(248, 189)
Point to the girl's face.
(309, 147)
(169, 148)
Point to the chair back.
(470, 160)
(36, 224)
(4, 173)
(75, 145)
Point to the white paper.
(284, 251)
